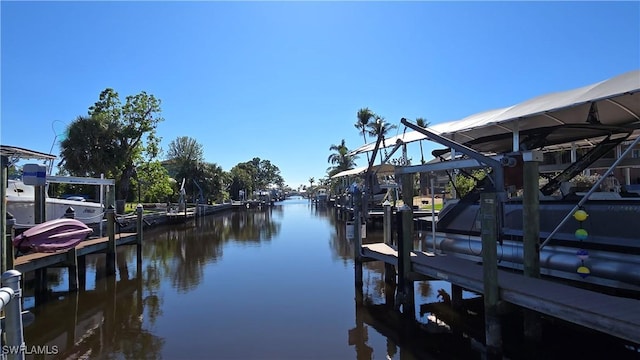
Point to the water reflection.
(86, 324)
(181, 252)
(107, 317)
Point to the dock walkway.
(35, 261)
(616, 316)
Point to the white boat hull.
(21, 205)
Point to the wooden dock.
(74, 259)
(35, 261)
(616, 316)
(377, 214)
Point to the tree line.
(119, 140)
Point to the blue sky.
(284, 80)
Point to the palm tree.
(340, 159)
(380, 128)
(364, 117)
(311, 181)
(422, 123)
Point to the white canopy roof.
(618, 102)
(379, 169)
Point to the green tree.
(185, 156)
(364, 117)
(266, 174)
(241, 179)
(89, 148)
(113, 139)
(152, 182)
(340, 159)
(256, 174)
(422, 123)
(465, 183)
(214, 182)
(380, 128)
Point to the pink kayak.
(53, 235)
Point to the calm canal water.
(262, 284)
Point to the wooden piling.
(456, 296)
(40, 286)
(531, 241)
(357, 241)
(139, 236)
(82, 272)
(389, 269)
(70, 213)
(111, 245)
(9, 250)
(4, 163)
(488, 216)
(40, 199)
(72, 268)
(405, 247)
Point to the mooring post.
(6, 242)
(531, 230)
(40, 199)
(82, 272)
(13, 315)
(9, 253)
(389, 269)
(488, 215)
(40, 286)
(357, 241)
(111, 245)
(72, 266)
(456, 296)
(139, 232)
(70, 213)
(400, 268)
(386, 222)
(405, 247)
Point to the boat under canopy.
(604, 117)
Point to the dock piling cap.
(9, 274)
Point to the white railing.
(11, 303)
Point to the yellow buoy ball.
(581, 234)
(580, 215)
(584, 271)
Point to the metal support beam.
(496, 165)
